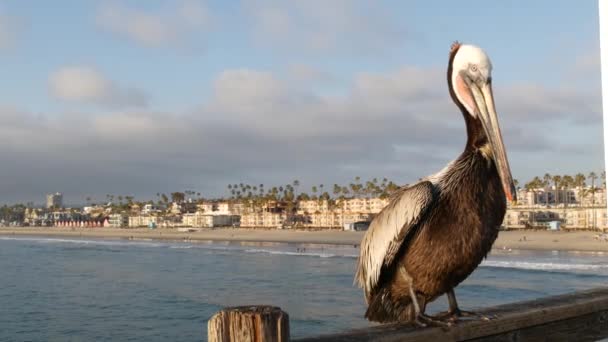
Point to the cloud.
(529, 102)
(9, 30)
(307, 75)
(324, 26)
(166, 27)
(258, 126)
(87, 85)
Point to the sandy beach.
(530, 240)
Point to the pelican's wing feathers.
(389, 229)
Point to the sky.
(135, 98)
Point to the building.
(144, 221)
(357, 226)
(217, 208)
(118, 220)
(54, 201)
(188, 207)
(363, 205)
(594, 218)
(263, 219)
(150, 208)
(578, 196)
(200, 219)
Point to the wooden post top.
(249, 323)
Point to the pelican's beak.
(489, 119)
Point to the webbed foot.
(424, 321)
(455, 315)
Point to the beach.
(520, 239)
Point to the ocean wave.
(543, 266)
(82, 241)
(309, 254)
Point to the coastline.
(583, 241)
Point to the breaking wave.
(543, 266)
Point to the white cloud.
(88, 85)
(165, 27)
(258, 126)
(9, 29)
(320, 26)
(304, 74)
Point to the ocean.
(55, 289)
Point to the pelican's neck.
(476, 136)
(472, 165)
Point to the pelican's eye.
(473, 67)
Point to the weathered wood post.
(249, 324)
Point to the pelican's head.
(470, 79)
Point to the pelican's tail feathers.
(383, 308)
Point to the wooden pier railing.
(580, 316)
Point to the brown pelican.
(434, 233)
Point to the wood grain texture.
(249, 324)
(580, 316)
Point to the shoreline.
(583, 241)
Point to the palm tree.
(296, 184)
(531, 186)
(593, 177)
(579, 182)
(337, 190)
(557, 179)
(345, 191)
(567, 183)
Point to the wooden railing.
(579, 316)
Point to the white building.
(216, 208)
(263, 219)
(578, 196)
(144, 221)
(150, 208)
(118, 220)
(54, 200)
(199, 219)
(570, 218)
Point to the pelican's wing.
(389, 229)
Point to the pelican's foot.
(455, 315)
(424, 321)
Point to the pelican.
(433, 234)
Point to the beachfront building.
(200, 219)
(35, 217)
(144, 221)
(593, 218)
(118, 220)
(312, 206)
(324, 219)
(363, 205)
(577, 196)
(263, 219)
(325, 214)
(150, 208)
(184, 207)
(219, 208)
